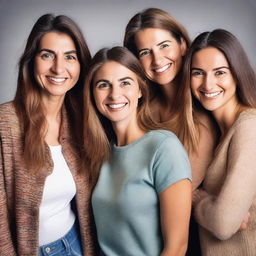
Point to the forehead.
(209, 57)
(112, 70)
(152, 36)
(55, 40)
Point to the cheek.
(98, 100)
(194, 85)
(75, 70)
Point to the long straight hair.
(28, 100)
(182, 121)
(98, 131)
(237, 59)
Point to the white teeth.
(211, 95)
(162, 69)
(57, 80)
(117, 105)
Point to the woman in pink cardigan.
(223, 82)
(44, 192)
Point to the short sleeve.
(170, 164)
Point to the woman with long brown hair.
(44, 193)
(160, 42)
(224, 83)
(142, 199)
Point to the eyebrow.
(107, 81)
(165, 41)
(124, 78)
(195, 68)
(53, 52)
(102, 80)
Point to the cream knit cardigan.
(230, 184)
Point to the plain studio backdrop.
(103, 24)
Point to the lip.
(211, 95)
(116, 106)
(160, 70)
(56, 80)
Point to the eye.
(164, 45)
(125, 83)
(197, 73)
(70, 57)
(220, 72)
(144, 53)
(47, 56)
(102, 85)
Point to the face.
(116, 92)
(57, 67)
(160, 54)
(211, 80)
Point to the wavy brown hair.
(28, 101)
(98, 131)
(182, 121)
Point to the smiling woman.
(223, 82)
(57, 67)
(40, 165)
(142, 169)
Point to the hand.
(198, 195)
(244, 224)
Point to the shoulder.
(245, 124)
(164, 137)
(7, 112)
(168, 145)
(248, 115)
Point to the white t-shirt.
(55, 214)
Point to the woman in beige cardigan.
(44, 193)
(222, 80)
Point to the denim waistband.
(61, 244)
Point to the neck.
(127, 134)
(169, 91)
(226, 119)
(53, 108)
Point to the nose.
(208, 82)
(157, 58)
(114, 92)
(58, 66)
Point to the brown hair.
(153, 18)
(98, 132)
(28, 102)
(239, 64)
(182, 121)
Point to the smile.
(116, 106)
(56, 80)
(211, 95)
(160, 70)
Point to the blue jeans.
(68, 245)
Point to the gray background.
(103, 23)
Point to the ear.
(140, 94)
(183, 46)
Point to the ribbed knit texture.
(231, 186)
(21, 191)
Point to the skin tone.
(56, 70)
(161, 57)
(212, 83)
(116, 92)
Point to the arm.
(223, 214)
(175, 208)
(6, 244)
(200, 160)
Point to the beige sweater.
(230, 184)
(21, 191)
